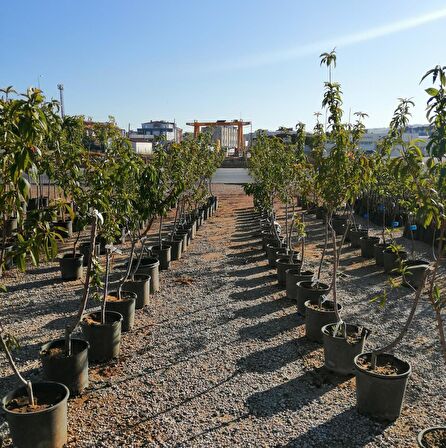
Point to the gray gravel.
(219, 358)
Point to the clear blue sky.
(206, 59)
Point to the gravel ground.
(219, 358)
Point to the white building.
(155, 129)
(227, 135)
(141, 146)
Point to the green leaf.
(431, 91)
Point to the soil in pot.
(367, 244)
(44, 425)
(380, 392)
(69, 370)
(434, 437)
(355, 237)
(71, 268)
(124, 305)
(164, 255)
(316, 316)
(292, 277)
(392, 260)
(415, 272)
(340, 352)
(309, 290)
(282, 264)
(104, 339)
(378, 250)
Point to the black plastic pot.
(414, 275)
(282, 264)
(378, 250)
(392, 260)
(176, 248)
(124, 306)
(381, 396)
(439, 430)
(163, 254)
(268, 238)
(271, 252)
(356, 235)
(184, 234)
(339, 352)
(307, 290)
(46, 428)
(316, 318)
(140, 285)
(367, 244)
(339, 224)
(84, 249)
(292, 277)
(72, 370)
(104, 339)
(150, 266)
(71, 267)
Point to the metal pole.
(62, 112)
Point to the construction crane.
(239, 123)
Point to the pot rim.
(293, 262)
(158, 248)
(8, 397)
(370, 237)
(380, 375)
(308, 302)
(390, 251)
(46, 346)
(69, 256)
(298, 272)
(425, 431)
(365, 333)
(301, 285)
(110, 324)
(122, 300)
(147, 278)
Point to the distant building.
(141, 146)
(152, 130)
(227, 135)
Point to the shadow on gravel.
(335, 432)
(250, 271)
(45, 270)
(264, 280)
(295, 393)
(263, 309)
(35, 285)
(255, 293)
(274, 358)
(246, 245)
(236, 239)
(271, 328)
(249, 253)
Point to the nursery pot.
(150, 267)
(184, 234)
(339, 352)
(46, 428)
(432, 437)
(176, 247)
(282, 264)
(316, 318)
(124, 306)
(71, 267)
(378, 395)
(392, 260)
(271, 252)
(308, 290)
(355, 236)
(104, 339)
(140, 285)
(292, 277)
(338, 224)
(164, 255)
(69, 370)
(84, 249)
(378, 250)
(367, 244)
(415, 273)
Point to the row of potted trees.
(102, 199)
(334, 180)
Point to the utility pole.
(62, 112)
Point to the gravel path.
(219, 358)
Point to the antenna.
(62, 112)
